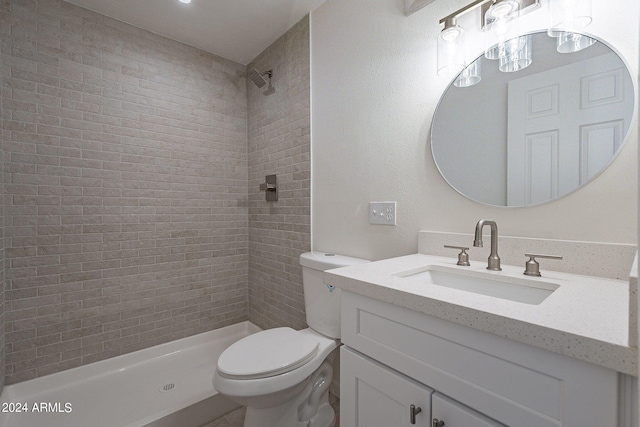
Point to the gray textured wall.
(279, 143)
(126, 188)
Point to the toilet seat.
(266, 354)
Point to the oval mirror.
(532, 136)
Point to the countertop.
(586, 318)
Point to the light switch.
(382, 213)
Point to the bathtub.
(163, 386)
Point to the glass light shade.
(496, 39)
(517, 55)
(451, 55)
(469, 76)
(499, 26)
(568, 16)
(573, 42)
(501, 9)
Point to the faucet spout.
(494, 259)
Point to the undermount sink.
(515, 289)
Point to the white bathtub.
(167, 385)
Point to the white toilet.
(282, 375)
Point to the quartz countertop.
(586, 317)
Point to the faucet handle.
(463, 256)
(532, 268)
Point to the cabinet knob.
(413, 411)
(438, 423)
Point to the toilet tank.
(322, 302)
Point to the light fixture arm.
(526, 6)
(465, 9)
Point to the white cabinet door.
(373, 395)
(511, 382)
(452, 414)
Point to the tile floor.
(236, 418)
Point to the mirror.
(532, 136)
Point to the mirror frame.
(625, 137)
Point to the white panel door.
(599, 143)
(550, 154)
(373, 395)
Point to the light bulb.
(451, 34)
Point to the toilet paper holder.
(270, 188)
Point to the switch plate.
(382, 213)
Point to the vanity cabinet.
(376, 395)
(379, 396)
(395, 357)
(454, 414)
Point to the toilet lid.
(266, 354)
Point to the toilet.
(281, 375)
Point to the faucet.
(494, 259)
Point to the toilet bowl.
(275, 388)
(281, 375)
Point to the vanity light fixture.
(497, 20)
(185, 1)
(503, 40)
(451, 52)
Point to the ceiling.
(238, 30)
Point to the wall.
(2, 264)
(279, 144)
(374, 92)
(126, 188)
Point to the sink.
(517, 289)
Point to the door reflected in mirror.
(529, 137)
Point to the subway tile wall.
(279, 143)
(126, 196)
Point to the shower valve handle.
(267, 187)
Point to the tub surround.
(279, 143)
(125, 185)
(586, 318)
(132, 213)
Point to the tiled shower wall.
(279, 143)
(126, 217)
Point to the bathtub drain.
(168, 387)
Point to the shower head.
(256, 77)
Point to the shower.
(257, 77)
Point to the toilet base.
(326, 417)
(310, 409)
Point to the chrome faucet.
(494, 259)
